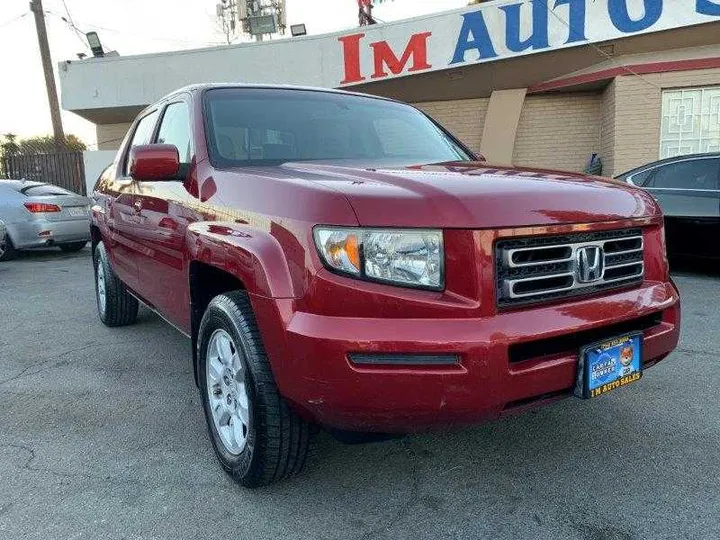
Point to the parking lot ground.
(102, 436)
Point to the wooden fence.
(64, 169)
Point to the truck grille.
(544, 268)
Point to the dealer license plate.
(607, 365)
(77, 211)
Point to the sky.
(136, 27)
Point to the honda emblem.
(589, 264)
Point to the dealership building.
(539, 83)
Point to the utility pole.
(37, 9)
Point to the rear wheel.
(116, 306)
(7, 250)
(257, 438)
(72, 246)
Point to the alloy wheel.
(101, 287)
(228, 391)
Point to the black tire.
(10, 252)
(121, 308)
(277, 439)
(72, 246)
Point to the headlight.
(407, 257)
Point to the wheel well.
(206, 282)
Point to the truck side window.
(143, 133)
(175, 130)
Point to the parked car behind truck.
(342, 260)
(39, 215)
(687, 189)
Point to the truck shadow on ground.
(514, 469)
(575, 469)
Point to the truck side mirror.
(149, 162)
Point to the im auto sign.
(504, 29)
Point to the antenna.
(365, 8)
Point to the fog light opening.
(400, 359)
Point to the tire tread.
(283, 439)
(10, 251)
(121, 308)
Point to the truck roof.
(207, 86)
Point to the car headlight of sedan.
(405, 257)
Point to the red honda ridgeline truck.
(342, 260)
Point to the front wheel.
(257, 438)
(116, 306)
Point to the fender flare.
(253, 256)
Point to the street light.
(298, 30)
(95, 45)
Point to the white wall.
(110, 136)
(318, 60)
(95, 163)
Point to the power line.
(67, 11)
(123, 32)
(98, 143)
(145, 36)
(71, 23)
(75, 31)
(6, 23)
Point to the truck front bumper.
(505, 363)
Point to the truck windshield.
(260, 126)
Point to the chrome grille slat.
(625, 278)
(525, 274)
(548, 276)
(510, 255)
(613, 266)
(626, 252)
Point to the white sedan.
(40, 215)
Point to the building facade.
(536, 83)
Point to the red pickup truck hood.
(478, 195)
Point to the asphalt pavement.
(102, 436)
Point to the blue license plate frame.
(609, 364)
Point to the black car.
(688, 190)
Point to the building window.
(690, 121)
